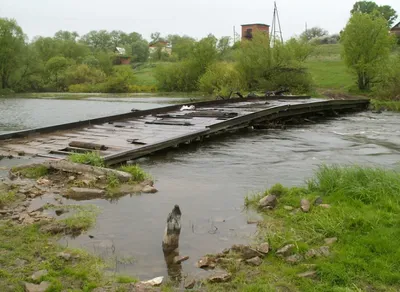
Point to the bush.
(221, 78)
(298, 81)
(266, 68)
(120, 80)
(181, 76)
(389, 87)
(84, 74)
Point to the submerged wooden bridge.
(124, 137)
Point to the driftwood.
(172, 231)
(67, 166)
(87, 145)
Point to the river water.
(209, 182)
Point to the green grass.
(7, 197)
(33, 172)
(126, 279)
(39, 252)
(83, 218)
(138, 174)
(145, 76)
(365, 203)
(90, 158)
(390, 105)
(328, 69)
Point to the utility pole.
(276, 29)
(234, 35)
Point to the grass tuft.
(7, 198)
(138, 174)
(83, 218)
(90, 158)
(33, 172)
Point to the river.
(209, 181)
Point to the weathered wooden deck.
(135, 134)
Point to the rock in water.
(39, 274)
(263, 248)
(153, 282)
(149, 190)
(330, 241)
(190, 283)
(318, 201)
(29, 287)
(286, 250)
(309, 275)
(206, 263)
(256, 261)
(305, 205)
(220, 277)
(268, 202)
(294, 259)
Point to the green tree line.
(67, 61)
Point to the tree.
(64, 35)
(366, 47)
(98, 40)
(369, 7)
(314, 32)
(182, 46)
(12, 43)
(140, 51)
(55, 68)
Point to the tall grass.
(90, 158)
(364, 216)
(138, 174)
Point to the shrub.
(120, 80)
(181, 76)
(389, 87)
(84, 74)
(220, 78)
(266, 68)
(297, 80)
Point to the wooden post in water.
(170, 244)
(172, 231)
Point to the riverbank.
(337, 233)
(36, 211)
(77, 96)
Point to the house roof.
(251, 24)
(121, 51)
(397, 26)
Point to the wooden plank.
(142, 151)
(169, 123)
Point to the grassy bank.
(29, 249)
(25, 250)
(360, 208)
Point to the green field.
(145, 75)
(328, 69)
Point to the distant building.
(122, 58)
(396, 29)
(164, 45)
(249, 29)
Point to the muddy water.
(21, 113)
(209, 183)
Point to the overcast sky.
(195, 18)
